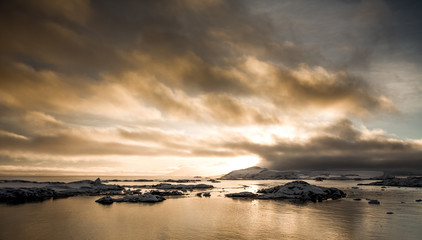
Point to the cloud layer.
(188, 83)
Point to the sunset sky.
(205, 87)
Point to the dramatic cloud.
(174, 86)
(340, 146)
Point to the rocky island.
(19, 191)
(147, 197)
(296, 190)
(398, 182)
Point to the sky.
(190, 87)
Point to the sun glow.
(270, 134)
(241, 162)
(189, 166)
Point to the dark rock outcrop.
(374, 201)
(22, 195)
(181, 180)
(166, 193)
(213, 181)
(182, 186)
(242, 195)
(147, 197)
(105, 200)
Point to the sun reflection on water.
(253, 188)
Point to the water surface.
(218, 217)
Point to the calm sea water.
(218, 217)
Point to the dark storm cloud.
(349, 34)
(188, 44)
(338, 146)
(408, 33)
(57, 36)
(373, 28)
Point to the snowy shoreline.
(21, 191)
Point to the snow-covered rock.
(299, 190)
(26, 191)
(147, 197)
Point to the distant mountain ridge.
(260, 173)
